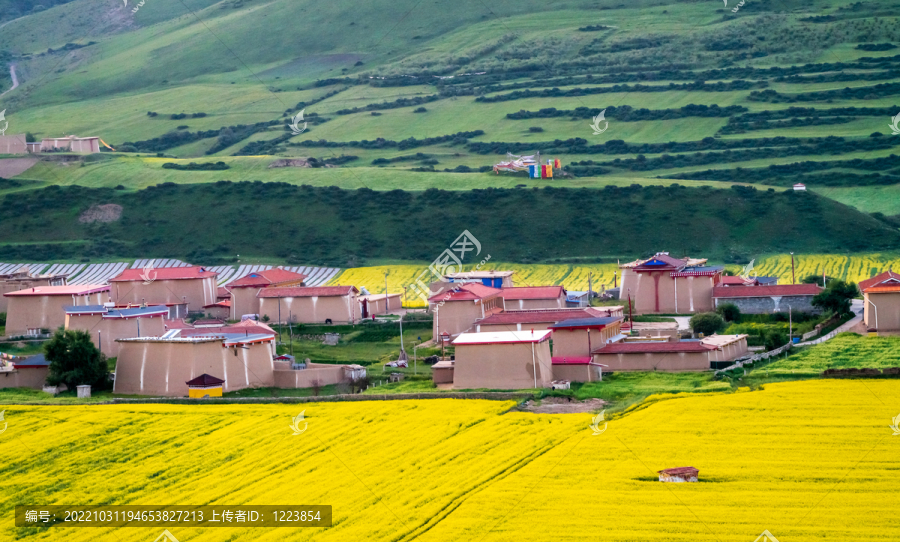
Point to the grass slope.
(340, 227)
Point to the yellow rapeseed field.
(575, 277)
(807, 461)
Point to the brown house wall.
(16, 285)
(45, 311)
(162, 368)
(13, 144)
(576, 373)
(311, 310)
(521, 304)
(24, 378)
(111, 329)
(574, 342)
(656, 361)
(888, 311)
(455, 317)
(244, 301)
(694, 293)
(325, 374)
(197, 292)
(502, 366)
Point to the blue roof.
(587, 322)
(136, 311)
(702, 268)
(37, 360)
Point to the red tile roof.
(571, 360)
(735, 281)
(177, 324)
(221, 291)
(883, 289)
(164, 273)
(653, 347)
(79, 289)
(878, 279)
(679, 471)
(539, 316)
(266, 278)
(223, 304)
(469, 291)
(765, 291)
(254, 329)
(307, 291)
(533, 292)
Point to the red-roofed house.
(664, 284)
(456, 310)
(193, 286)
(768, 299)
(540, 318)
(881, 294)
(44, 307)
(534, 297)
(244, 290)
(654, 356)
(673, 356)
(309, 305)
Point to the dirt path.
(15, 80)
(11, 167)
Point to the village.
(180, 332)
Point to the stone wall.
(768, 305)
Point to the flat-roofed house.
(539, 318)
(194, 286)
(162, 366)
(310, 304)
(23, 372)
(689, 355)
(534, 297)
(881, 295)
(13, 144)
(72, 144)
(106, 324)
(769, 299)
(374, 304)
(44, 307)
(456, 310)
(573, 342)
(664, 284)
(22, 279)
(244, 291)
(506, 360)
(727, 349)
(671, 356)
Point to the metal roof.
(502, 337)
(575, 323)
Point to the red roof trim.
(724, 292)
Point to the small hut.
(205, 385)
(678, 474)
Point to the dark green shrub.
(707, 323)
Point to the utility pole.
(590, 289)
(291, 331)
(791, 324)
(279, 320)
(793, 275)
(386, 273)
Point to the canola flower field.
(575, 277)
(807, 461)
(844, 351)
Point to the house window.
(33, 331)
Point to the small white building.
(679, 474)
(800, 187)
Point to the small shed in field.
(679, 474)
(205, 385)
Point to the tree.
(75, 361)
(729, 311)
(836, 298)
(707, 323)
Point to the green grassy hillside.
(215, 221)
(402, 95)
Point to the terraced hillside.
(397, 95)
